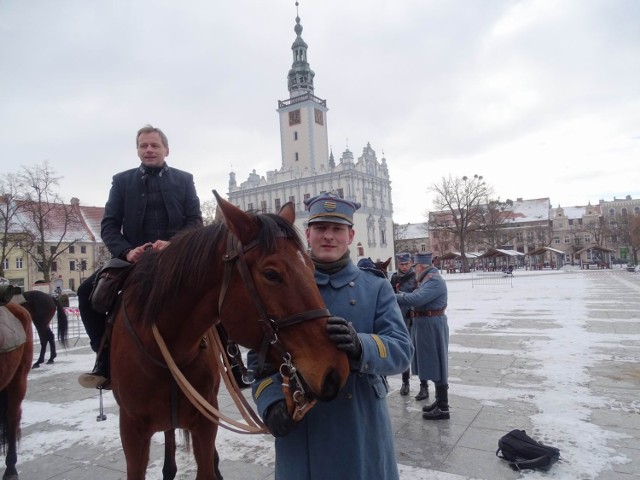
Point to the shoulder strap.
(541, 462)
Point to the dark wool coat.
(430, 335)
(351, 436)
(121, 227)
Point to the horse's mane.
(160, 278)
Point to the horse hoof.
(35, 365)
(50, 362)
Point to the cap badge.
(330, 206)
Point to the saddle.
(12, 334)
(108, 283)
(6, 294)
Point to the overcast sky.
(541, 97)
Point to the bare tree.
(208, 208)
(458, 207)
(11, 231)
(492, 217)
(634, 237)
(625, 230)
(597, 229)
(400, 242)
(50, 223)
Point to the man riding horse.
(147, 206)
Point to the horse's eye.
(272, 276)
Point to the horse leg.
(10, 406)
(43, 348)
(12, 457)
(51, 338)
(136, 439)
(216, 464)
(169, 469)
(204, 450)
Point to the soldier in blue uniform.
(404, 280)
(430, 332)
(351, 436)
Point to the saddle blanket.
(12, 335)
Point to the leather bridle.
(235, 256)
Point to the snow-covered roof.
(529, 210)
(411, 231)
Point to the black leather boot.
(99, 376)
(438, 410)
(406, 375)
(424, 391)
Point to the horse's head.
(276, 299)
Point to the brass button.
(352, 302)
(352, 284)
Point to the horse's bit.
(269, 324)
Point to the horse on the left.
(16, 354)
(42, 308)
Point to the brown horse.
(42, 308)
(252, 274)
(14, 367)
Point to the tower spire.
(300, 78)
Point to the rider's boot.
(99, 376)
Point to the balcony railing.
(301, 98)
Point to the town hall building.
(308, 167)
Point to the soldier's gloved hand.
(344, 336)
(278, 419)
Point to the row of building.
(595, 235)
(551, 236)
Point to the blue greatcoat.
(430, 335)
(349, 437)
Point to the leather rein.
(234, 257)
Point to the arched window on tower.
(360, 249)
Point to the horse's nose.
(330, 387)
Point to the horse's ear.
(288, 212)
(237, 221)
(386, 264)
(219, 217)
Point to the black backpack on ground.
(522, 451)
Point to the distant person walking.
(430, 333)
(404, 280)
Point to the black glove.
(344, 336)
(278, 419)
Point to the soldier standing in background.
(404, 280)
